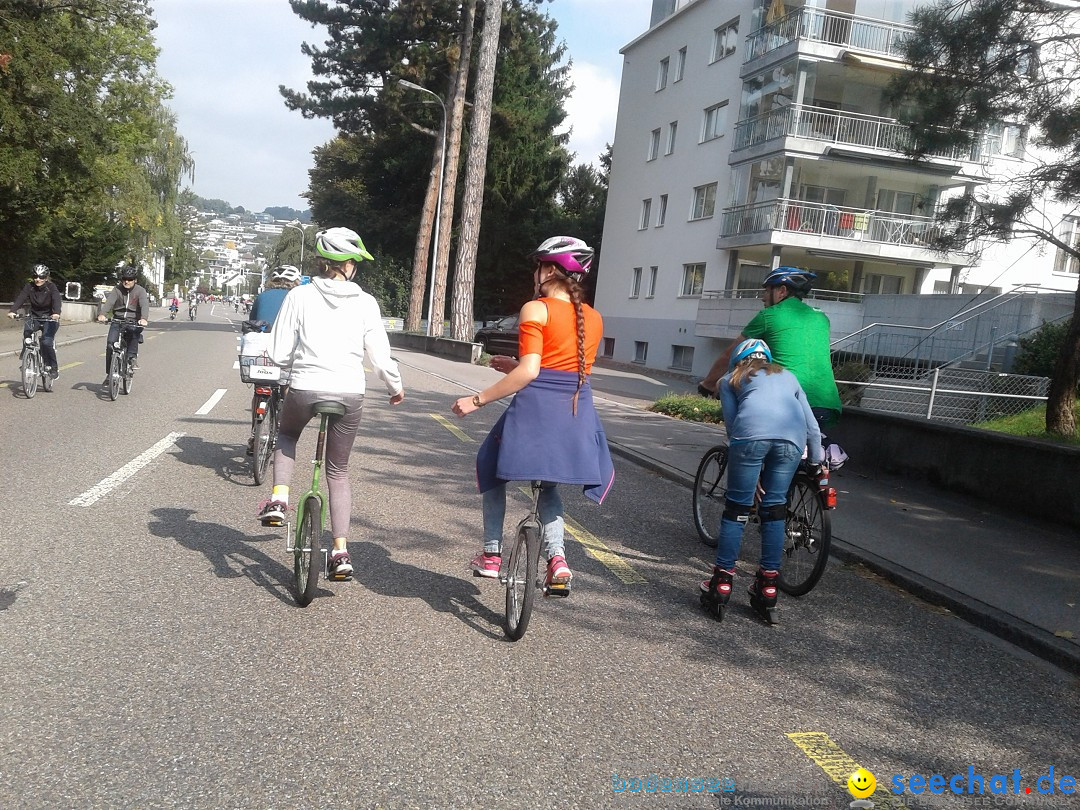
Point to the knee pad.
(737, 512)
(775, 512)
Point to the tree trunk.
(461, 305)
(1061, 399)
(459, 83)
(422, 254)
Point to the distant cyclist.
(128, 302)
(43, 299)
(322, 334)
(798, 336)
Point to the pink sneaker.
(558, 572)
(486, 565)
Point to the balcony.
(862, 34)
(834, 229)
(849, 129)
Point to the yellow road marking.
(66, 366)
(838, 765)
(446, 423)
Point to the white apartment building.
(755, 133)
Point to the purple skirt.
(538, 438)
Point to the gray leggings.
(339, 441)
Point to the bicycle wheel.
(710, 494)
(114, 374)
(807, 535)
(265, 429)
(129, 375)
(521, 580)
(30, 373)
(307, 555)
(46, 378)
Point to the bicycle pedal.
(559, 590)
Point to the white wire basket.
(258, 368)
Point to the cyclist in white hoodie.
(322, 333)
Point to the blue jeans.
(773, 462)
(550, 507)
(48, 335)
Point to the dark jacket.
(44, 300)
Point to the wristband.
(476, 401)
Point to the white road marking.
(107, 485)
(210, 403)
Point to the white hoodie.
(322, 332)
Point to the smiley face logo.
(861, 784)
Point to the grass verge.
(691, 407)
(1031, 424)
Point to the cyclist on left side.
(43, 299)
(128, 302)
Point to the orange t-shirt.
(556, 343)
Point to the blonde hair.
(748, 368)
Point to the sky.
(226, 58)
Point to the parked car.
(501, 337)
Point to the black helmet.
(799, 281)
(127, 272)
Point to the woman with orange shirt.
(550, 431)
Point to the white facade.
(755, 133)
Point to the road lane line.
(838, 765)
(107, 485)
(446, 423)
(66, 366)
(210, 403)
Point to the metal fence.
(959, 396)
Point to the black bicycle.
(32, 368)
(265, 409)
(122, 367)
(807, 529)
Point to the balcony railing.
(833, 126)
(856, 224)
(829, 27)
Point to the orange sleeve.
(530, 338)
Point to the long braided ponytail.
(577, 294)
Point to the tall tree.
(461, 310)
(980, 65)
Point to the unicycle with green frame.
(306, 547)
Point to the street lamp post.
(438, 204)
(301, 229)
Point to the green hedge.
(691, 407)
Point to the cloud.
(591, 110)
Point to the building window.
(682, 357)
(715, 122)
(725, 39)
(661, 211)
(662, 74)
(680, 63)
(882, 284)
(646, 214)
(641, 351)
(635, 283)
(693, 279)
(1069, 233)
(608, 349)
(942, 287)
(672, 129)
(654, 144)
(653, 271)
(704, 202)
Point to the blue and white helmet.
(751, 349)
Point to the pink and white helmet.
(572, 255)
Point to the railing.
(832, 126)
(830, 27)
(814, 295)
(858, 224)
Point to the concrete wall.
(444, 347)
(70, 312)
(1034, 477)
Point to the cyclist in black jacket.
(43, 299)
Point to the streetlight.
(300, 228)
(438, 205)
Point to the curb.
(59, 345)
(1022, 634)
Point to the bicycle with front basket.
(306, 545)
(265, 409)
(807, 527)
(32, 368)
(525, 572)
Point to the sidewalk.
(1011, 576)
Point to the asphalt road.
(151, 653)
